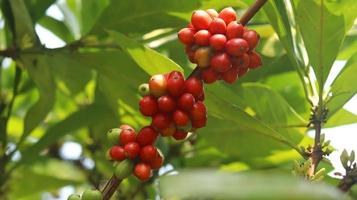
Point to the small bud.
(319, 175)
(113, 135)
(124, 169)
(352, 156)
(144, 89)
(344, 158)
(322, 138)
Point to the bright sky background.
(343, 137)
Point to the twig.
(110, 187)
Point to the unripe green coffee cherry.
(113, 135)
(144, 89)
(74, 197)
(124, 169)
(92, 195)
(107, 155)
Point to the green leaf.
(90, 12)
(323, 25)
(81, 118)
(343, 88)
(149, 60)
(57, 27)
(37, 8)
(24, 30)
(40, 72)
(340, 118)
(210, 184)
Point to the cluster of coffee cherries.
(135, 153)
(174, 104)
(222, 47)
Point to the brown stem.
(110, 187)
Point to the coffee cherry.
(194, 86)
(180, 135)
(142, 171)
(217, 42)
(212, 12)
(231, 75)
(202, 37)
(113, 135)
(158, 85)
(132, 150)
(92, 195)
(190, 26)
(124, 169)
(117, 153)
(185, 35)
(126, 126)
(209, 75)
(144, 89)
(201, 20)
(157, 162)
(202, 56)
(252, 38)
(242, 71)
(255, 60)
(241, 61)
(74, 197)
(217, 26)
(186, 101)
(234, 30)
(236, 46)
(198, 111)
(220, 62)
(161, 120)
(146, 136)
(127, 136)
(199, 123)
(166, 103)
(201, 97)
(190, 53)
(228, 15)
(148, 153)
(169, 131)
(180, 118)
(175, 83)
(148, 106)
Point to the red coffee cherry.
(146, 136)
(169, 131)
(142, 171)
(199, 123)
(194, 86)
(241, 61)
(132, 150)
(228, 15)
(255, 60)
(157, 162)
(201, 20)
(209, 75)
(117, 153)
(190, 53)
(236, 46)
(198, 111)
(202, 37)
(201, 97)
(186, 101)
(212, 12)
(148, 106)
(202, 56)
(125, 126)
(252, 38)
(185, 35)
(218, 42)
(220, 62)
(148, 153)
(217, 26)
(175, 83)
(161, 120)
(180, 135)
(166, 103)
(190, 26)
(127, 136)
(242, 71)
(234, 30)
(158, 85)
(180, 118)
(231, 75)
